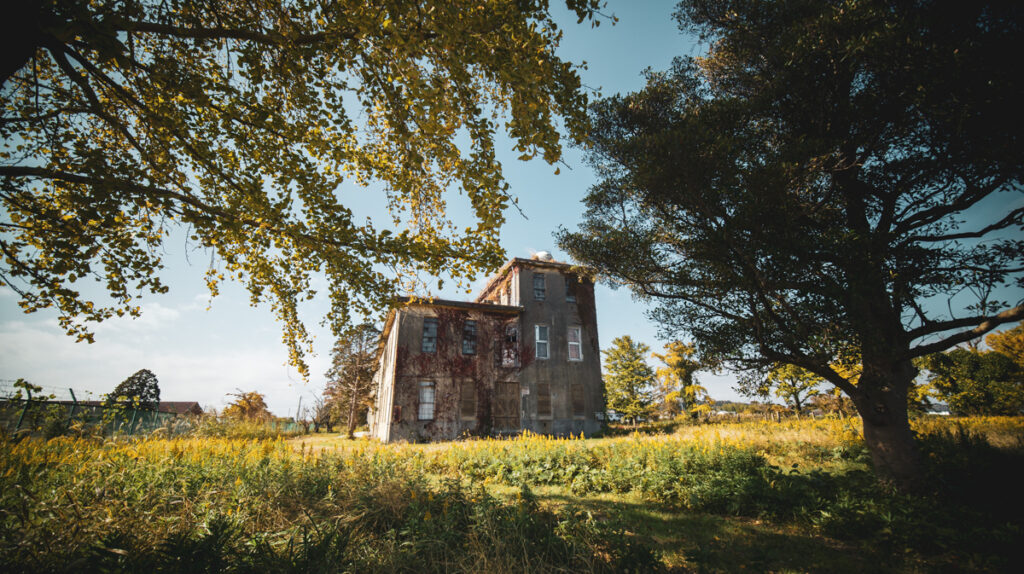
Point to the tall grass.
(188, 505)
(240, 505)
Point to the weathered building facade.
(523, 356)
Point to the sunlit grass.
(769, 496)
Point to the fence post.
(28, 401)
(74, 404)
(131, 426)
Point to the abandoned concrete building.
(523, 355)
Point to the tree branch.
(985, 324)
(1015, 217)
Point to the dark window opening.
(510, 347)
(429, 335)
(469, 338)
(539, 287)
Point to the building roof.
(494, 281)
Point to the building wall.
(557, 371)
(380, 417)
(504, 392)
(449, 370)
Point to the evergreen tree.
(628, 379)
(349, 381)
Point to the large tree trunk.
(881, 401)
(352, 413)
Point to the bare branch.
(1015, 217)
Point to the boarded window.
(539, 288)
(429, 335)
(541, 338)
(469, 338)
(505, 409)
(426, 411)
(570, 288)
(544, 400)
(468, 400)
(575, 344)
(578, 410)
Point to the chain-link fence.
(51, 411)
(50, 417)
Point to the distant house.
(524, 355)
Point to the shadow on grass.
(709, 543)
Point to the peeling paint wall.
(380, 416)
(455, 376)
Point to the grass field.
(796, 496)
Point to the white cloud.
(202, 358)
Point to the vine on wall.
(482, 369)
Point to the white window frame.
(538, 341)
(578, 343)
(425, 408)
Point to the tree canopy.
(816, 185)
(1009, 342)
(679, 389)
(628, 379)
(141, 389)
(793, 385)
(974, 383)
(248, 406)
(253, 126)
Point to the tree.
(793, 385)
(1009, 343)
(325, 414)
(249, 126)
(247, 406)
(350, 378)
(814, 184)
(834, 403)
(628, 379)
(141, 390)
(679, 388)
(974, 383)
